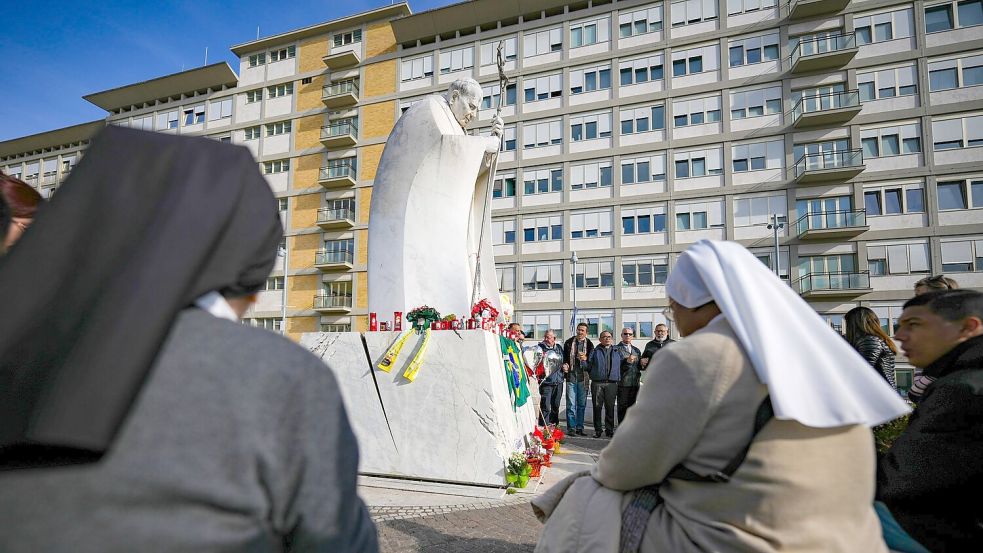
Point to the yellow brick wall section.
(302, 250)
(360, 323)
(362, 251)
(306, 171)
(304, 214)
(299, 325)
(361, 290)
(368, 158)
(301, 290)
(378, 119)
(379, 39)
(312, 52)
(309, 96)
(308, 132)
(364, 202)
(380, 79)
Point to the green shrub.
(887, 433)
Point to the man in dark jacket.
(631, 374)
(551, 387)
(660, 341)
(605, 373)
(576, 352)
(932, 477)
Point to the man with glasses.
(605, 373)
(660, 341)
(576, 351)
(631, 373)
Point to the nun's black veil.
(145, 224)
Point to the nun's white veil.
(813, 375)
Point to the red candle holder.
(373, 322)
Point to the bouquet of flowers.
(421, 317)
(479, 310)
(518, 470)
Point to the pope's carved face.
(464, 106)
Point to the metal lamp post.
(774, 225)
(573, 317)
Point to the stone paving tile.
(511, 528)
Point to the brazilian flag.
(514, 374)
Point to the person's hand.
(495, 140)
(645, 362)
(566, 368)
(498, 126)
(582, 356)
(631, 358)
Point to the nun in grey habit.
(136, 413)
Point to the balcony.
(333, 219)
(825, 53)
(828, 166)
(341, 60)
(332, 303)
(343, 134)
(834, 108)
(803, 9)
(832, 224)
(340, 175)
(325, 260)
(830, 285)
(341, 94)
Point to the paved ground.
(510, 528)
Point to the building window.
(489, 51)
(767, 257)
(962, 132)
(546, 133)
(813, 149)
(585, 33)
(753, 50)
(535, 325)
(641, 70)
(594, 274)
(698, 163)
(280, 90)
(643, 322)
(644, 271)
(960, 194)
(542, 88)
(700, 215)
(146, 123)
(639, 120)
(698, 111)
(736, 7)
(541, 181)
(506, 278)
(590, 224)
(257, 59)
(757, 210)
(891, 141)
(888, 83)
(590, 175)
(491, 95)
(897, 259)
(254, 96)
(968, 13)
(274, 283)
(457, 60)
(962, 256)
(548, 276)
(274, 129)
(643, 169)
(503, 232)
(590, 127)
(269, 323)
(220, 109)
(695, 60)
(251, 133)
(643, 220)
(597, 322)
(542, 42)
(590, 79)
(955, 73)
(283, 54)
(755, 103)
(689, 12)
(336, 327)
(281, 204)
(882, 27)
(542, 229)
(278, 166)
(504, 187)
(194, 115)
(894, 200)
(419, 68)
(758, 156)
(829, 265)
(640, 22)
(167, 120)
(351, 37)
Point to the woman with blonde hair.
(864, 332)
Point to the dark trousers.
(549, 403)
(604, 394)
(626, 398)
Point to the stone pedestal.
(455, 422)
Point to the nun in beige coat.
(807, 483)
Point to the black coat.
(653, 346)
(576, 375)
(932, 477)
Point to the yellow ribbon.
(414, 366)
(393, 352)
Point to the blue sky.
(62, 51)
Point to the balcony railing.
(339, 171)
(325, 257)
(826, 102)
(833, 282)
(822, 45)
(339, 88)
(330, 215)
(332, 301)
(829, 160)
(831, 220)
(340, 130)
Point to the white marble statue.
(430, 218)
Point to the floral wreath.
(481, 306)
(425, 312)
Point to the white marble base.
(454, 423)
